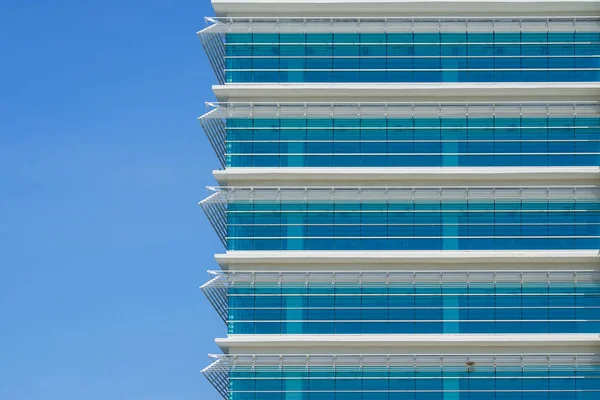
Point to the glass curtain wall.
(405, 135)
(414, 303)
(404, 50)
(503, 218)
(413, 377)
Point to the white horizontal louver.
(481, 277)
(405, 110)
(292, 26)
(426, 112)
(379, 278)
(265, 110)
(292, 111)
(423, 26)
(373, 26)
(381, 194)
(507, 277)
(292, 196)
(586, 194)
(565, 25)
(507, 26)
(506, 194)
(322, 195)
(478, 194)
(586, 25)
(536, 111)
(268, 279)
(342, 111)
(475, 26)
(534, 26)
(266, 195)
(373, 195)
(347, 279)
(535, 195)
(453, 26)
(400, 25)
(400, 111)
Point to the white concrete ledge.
(435, 259)
(417, 176)
(411, 92)
(327, 343)
(389, 8)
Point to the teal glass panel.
(532, 307)
(443, 383)
(432, 142)
(416, 57)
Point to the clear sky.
(102, 163)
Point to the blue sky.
(102, 160)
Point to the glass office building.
(408, 199)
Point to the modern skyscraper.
(409, 199)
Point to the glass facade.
(411, 219)
(413, 57)
(372, 383)
(416, 50)
(397, 302)
(509, 215)
(532, 307)
(387, 377)
(405, 135)
(413, 142)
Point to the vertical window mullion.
(279, 144)
(387, 74)
(254, 139)
(279, 58)
(521, 52)
(548, 79)
(304, 58)
(413, 51)
(252, 58)
(494, 54)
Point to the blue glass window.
(413, 142)
(413, 57)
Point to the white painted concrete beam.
(410, 92)
(404, 8)
(415, 176)
(408, 260)
(407, 343)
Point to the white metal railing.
(217, 374)
(216, 290)
(213, 43)
(216, 212)
(213, 37)
(409, 360)
(386, 195)
(401, 25)
(367, 110)
(215, 126)
(215, 206)
(401, 278)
